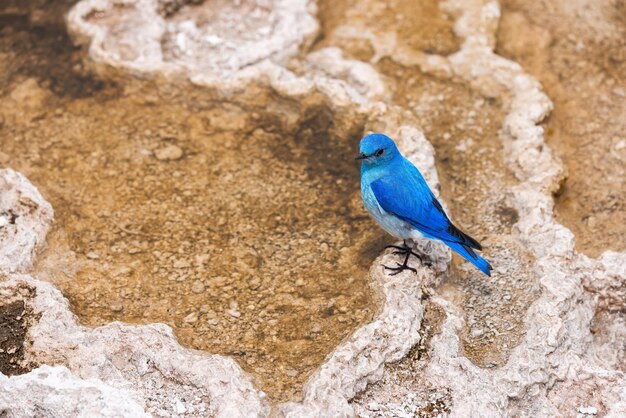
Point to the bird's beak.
(362, 156)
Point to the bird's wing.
(409, 198)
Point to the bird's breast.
(389, 222)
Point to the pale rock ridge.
(25, 218)
(54, 391)
(221, 42)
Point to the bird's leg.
(401, 267)
(407, 247)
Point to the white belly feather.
(390, 223)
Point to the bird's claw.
(414, 254)
(397, 247)
(407, 251)
(399, 268)
(404, 251)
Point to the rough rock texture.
(145, 360)
(25, 218)
(215, 40)
(54, 391)
(561, 367)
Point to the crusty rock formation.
(54, 391)
(216, 43)
(25, 218)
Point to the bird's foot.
(403, 250)
(399, 268)
(408, 251)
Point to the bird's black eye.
(380, 152)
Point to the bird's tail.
(470, 255)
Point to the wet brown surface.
(577, 50)
(248, 241)
(417, 25)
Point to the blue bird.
(399, 199)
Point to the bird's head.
(377, 149)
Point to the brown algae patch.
(578, 52)
(363, 26)
(247, 240)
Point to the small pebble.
(373, 406)
(180, 407)
(589, 410)
(122, 271)
(191, 318)
(181, 264)
(168, 153)
(234, 313)
(255, 283)
(116, 307)
(477, 332)
(197, 287)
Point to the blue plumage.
(398, 197)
